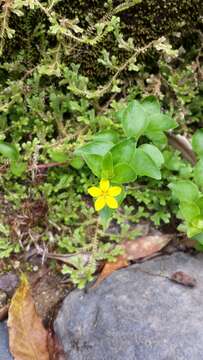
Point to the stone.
(137, 314)
(9, 282)
(4, 348)
(3, 298)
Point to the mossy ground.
(46, 208)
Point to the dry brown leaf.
(110, 267)
(134, 250)
(145, 246)
(182, 278)
(27, 336)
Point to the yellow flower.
(105, 195)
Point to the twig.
(182, 144)
(46, 166)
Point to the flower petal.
(114, 191)
(94, 191)
(111, 202)
(100, 203)
(104, 185)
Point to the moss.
(144, 22)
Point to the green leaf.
(18, 168)
(95, 148)
(143, 165)
(58, 156)
(172, 160)
(105, 216)
(123, 151)
(94, 162)
(123, 173)
(154, 153)
(160, 122)
(151, 105)
(198, 173)
(184, 190)
(158, 138)
(192, 231)
(107, 166)
(197, 142)
(134, 119)
(77, 162)
(9, 151)
(199, 203)
(195, 227)
(189, 210)
(107, 136)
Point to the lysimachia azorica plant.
(120, 157)
(190, 197)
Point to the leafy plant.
(190, 196)
(67, 122)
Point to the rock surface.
(134, 315)
(4, 352)
(9, 282)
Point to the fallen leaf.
(110, 267)
(145, 246)
(184, 279)
(142, 247)
(27, 336)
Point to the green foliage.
(83, 94)
(124, 161)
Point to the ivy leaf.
(143, 165)
(197, 142)
(27, 336)
(107, 166)
(123, 151)
(134, 119)
(9, 151)
(123, 173)
(184, 189)
(154, 153)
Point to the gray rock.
(3, 298)
(4, 348)
(9, 282)
(134, 315)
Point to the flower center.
(104, 193)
